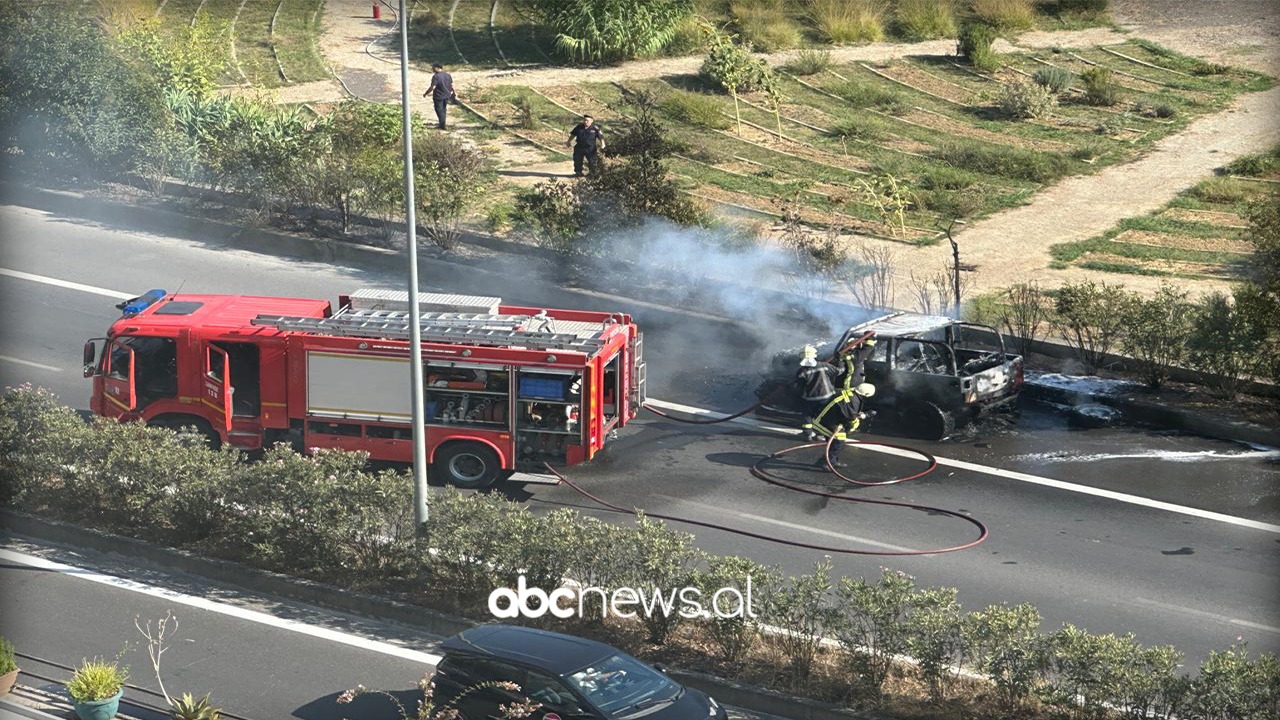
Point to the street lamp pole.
(415, 317)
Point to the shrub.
(863, 94)
(1231, 338)
(1087, 669)
(874, 627)
(1024, 313)
(1008, 162)
(1100, 87)
(97, 679)
(1233, 685)
(8, 662)
(188, 707)
(1156, 333)
(696, 109)
(734, 636)
(843, 22)
(1056, 79)
(810, 61)
(1264, 232)
(448, 175)
(764, 24)
(975, 44)
(1022, 100)
(861, 127)
(610, 30)
(688, 38)
(802, 607)
(1255, 165)
(1009, 650)
(499, 217)
(943, 177)
(1005, 16)
(1220, 190)
(1091, 317)
(552, 212)
(1163, 111)
(926, 19)
(937, 639)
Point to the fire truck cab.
(507, 388)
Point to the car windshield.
(621, 685)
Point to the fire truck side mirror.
(90, 354)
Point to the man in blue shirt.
(585, 137)
(441, 92)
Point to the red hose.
(758, 471)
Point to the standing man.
(587, 136)
(833, 411)
(441, 92)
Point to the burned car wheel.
(927, 421)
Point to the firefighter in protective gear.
(834, 410)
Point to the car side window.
(552, 693)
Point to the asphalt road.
(1108, 565)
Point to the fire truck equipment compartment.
(543, 388)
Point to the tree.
(733, 68)
(79, 105)
(360, 169)
(610, 30)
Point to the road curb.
(1152, 413)
(333, 598)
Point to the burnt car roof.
(904, 324)
(551, 651)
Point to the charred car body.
(931, 374)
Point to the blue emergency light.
(142, 302)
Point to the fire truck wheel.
(468, 465)
(185, 423)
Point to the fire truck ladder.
(456, 328)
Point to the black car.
(573, 678)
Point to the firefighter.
(833, 410)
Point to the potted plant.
(8, 666)
(96, 688)
(189, 708)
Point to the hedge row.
(327, 518)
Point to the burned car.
(932, 373)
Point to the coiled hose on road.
(760, 472)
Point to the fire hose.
(760, 472)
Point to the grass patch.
(1260, 164)
(765, 24)
(844, 22)
(925, 19)
(1224, 191)
(810, 61)
(869, 94)
(868, 128)
(297, 28)
(1008, 162)
(706, 111)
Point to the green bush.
(1156, 332)
(552, 212)
(926, 19)
(1005, 16)
(937, 638)
(862, 127)
(810, 61)
(97, 679)
(8, 661)
(874, 628)
(844, 22)
(689, 38)
(943, 177)
(733, 637)
(609, 30)
(1233, 338)
(1233, 685)
(1009, 650)
(804, 608)
(765, 24)
(1225, 191)
(1007, 162)
(1100, 87)
(1056, 79)
(1091, 317)
(1022, 100)
(697, 109)
(975, 44)
(1264, 232)
(1255, 165)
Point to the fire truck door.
(217, 382)
(118, 376)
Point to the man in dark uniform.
(441, 92)
(586, 140)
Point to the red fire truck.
(507, 388)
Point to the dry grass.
(1005, 15)
(926, 19)
(844, 22)
(765, 24)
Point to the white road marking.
(68, 284)
(28, 363)
(229, 610)
(985, 469)
(1209, 615)
(721, 510)
(1007, 474)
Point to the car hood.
(692, 705)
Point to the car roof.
(550, 651)
(904, 324)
